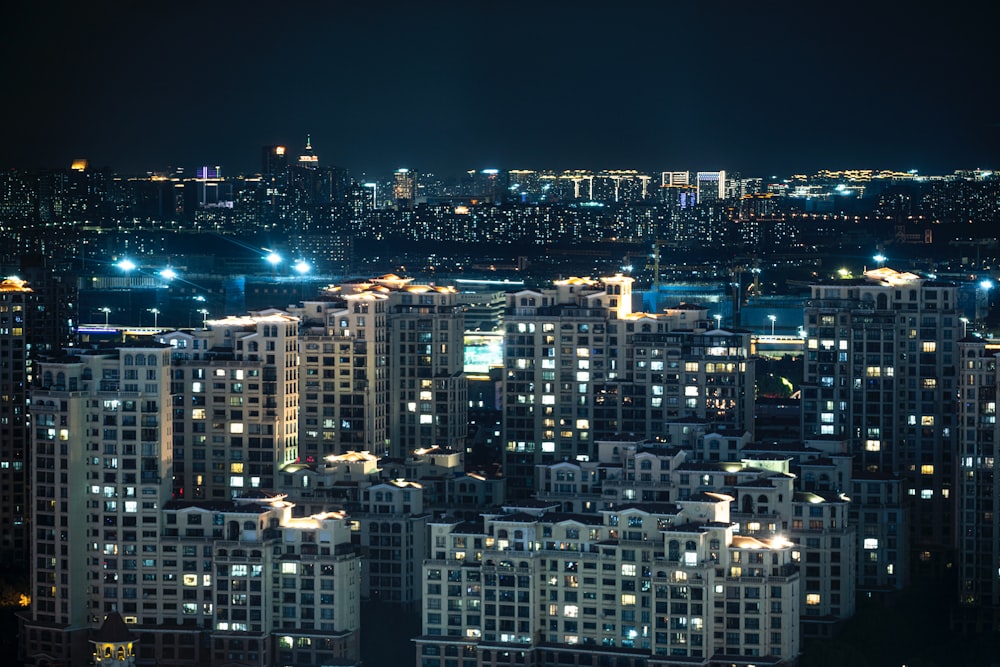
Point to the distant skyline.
(763, 89)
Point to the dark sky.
(757, 87)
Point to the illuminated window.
(926, 494)
(236, 427)
(236, 468)
(927, 420)
(190, 580)
(927, 469)
(691, 366)
(628, 600)
(873, 445)
(929, 346)
(628, 569)
(871, 543)
(928, 383)
(873, 371)
(571, 611)
(289, 568)
(812, 599)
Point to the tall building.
(102, 432)
(711, 185)
(344, 374)
(237, 414)
(580, 365)
(16, 358)
(668, 584)
(429, 394)
(978, 489)
(881, 372)
(404, 189)
(219, 581)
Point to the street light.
(880, 258)
(168, 274)
(965, 326)
(107, 313)
(301, 266)
(156, 317)
(773, 319)
(718, 321)
(204, 317)
(273, 259)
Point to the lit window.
(812, 599)
(926, 494)
(929, 346)
(871, 543)
(927, 469)
(289, 568)
(873, 445)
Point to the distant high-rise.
(404, 190)
(274, 160)
(309, 159)
(711, 185)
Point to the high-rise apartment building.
(384, 368)
(880, 372)
(214, 581)
(102, 433)
(236, 412)
(664, 583)
(580, 365)
(978, 488)
(16, 307)
(344, 374)
(428, 393)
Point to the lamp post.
(773, 319)
(127, 266)
(156, 317)
(302, 267)
(965, 326)
(273, 259)
(107, 313)
(718, 321)
(204, 317)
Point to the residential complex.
(234, 492)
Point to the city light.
(302, 267)
(718, 321)
(965, 326)
(168, 274)
(880, 258)
(126, 265)
(204, 317)
(773, 318)
(107, 314)
(156, 317)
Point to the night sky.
(762, 88)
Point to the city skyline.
(447, 88)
